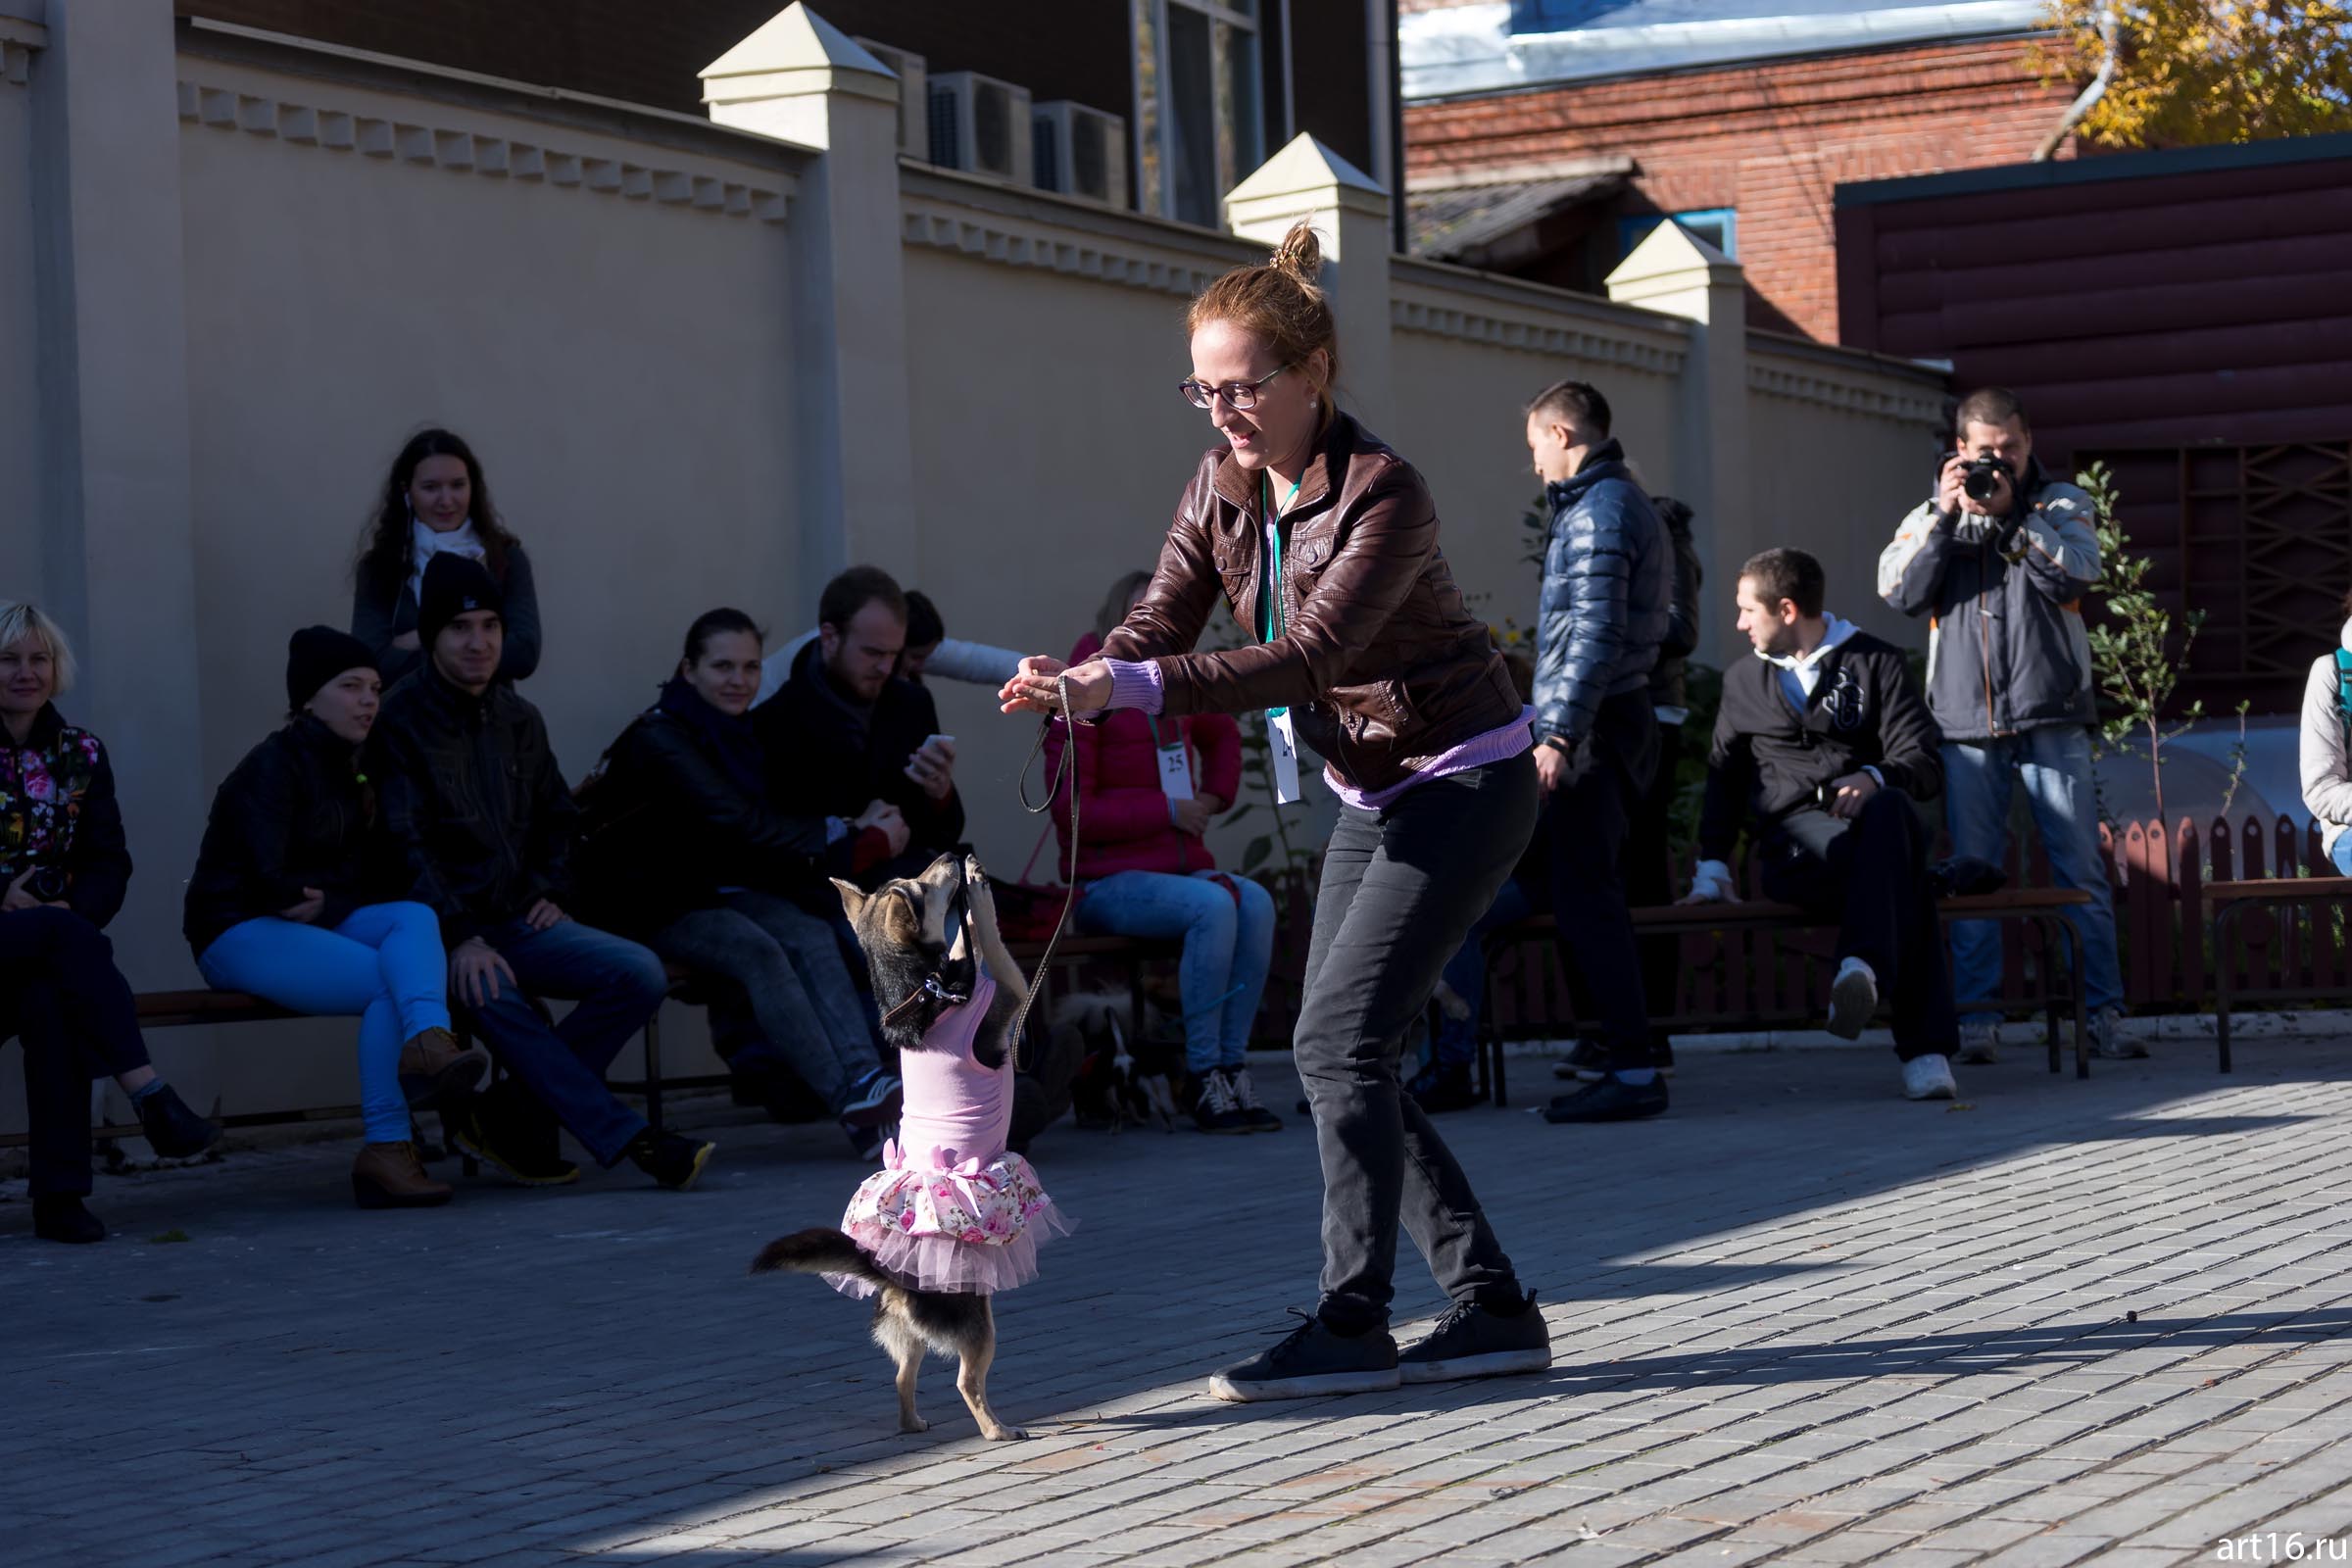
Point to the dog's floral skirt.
(969, 1226)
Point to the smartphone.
(929, 739)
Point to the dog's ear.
(852, 898)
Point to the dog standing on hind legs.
(952, 1216)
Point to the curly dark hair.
(384, 559)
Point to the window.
(1199, 129)
(1717, 226)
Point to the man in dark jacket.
(2001, 578)
(478, 823)
(1649, 877)
(844, 732)
(1609, 576)
(1821, 745)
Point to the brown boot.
(391, 1176)
(433, 1068)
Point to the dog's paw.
(913, 1423)
(1005, 1433)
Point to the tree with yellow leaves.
(2198, 71)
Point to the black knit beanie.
(453, 585)
(316, 654)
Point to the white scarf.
(425, 542)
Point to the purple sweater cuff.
(1136, 684)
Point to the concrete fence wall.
(713, 361)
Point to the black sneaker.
(1588, 1061)
(1470, 1342)
(673, 1161)
(172, 1130)
(1444, 1086)
(1255, 1117)
(874, 1099)
(1311, 1360)
(531, 1168)
(1214, 1109)
(61, 1217)
(1610, 1100)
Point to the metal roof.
(1451, 224)
(1472, 49)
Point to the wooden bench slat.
(2284, 889)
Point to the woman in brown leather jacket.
(1325, 543)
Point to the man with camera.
(2000, 559)
(1820, 745)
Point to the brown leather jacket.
(1383, 667)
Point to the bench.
(176, 1010)
(1128, 952)
(2045, 906)
(2230, 901)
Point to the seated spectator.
(1821, 745)
(65, 868)
(277, 907)
(478, 823)
(844, 731)
(2326, 756)
(1148, 788)
(929, 651)
(682, 852)
(434, 503)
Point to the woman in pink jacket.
(1147, 789)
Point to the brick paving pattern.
(1798, 1321)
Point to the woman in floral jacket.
(65, 869)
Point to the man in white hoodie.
(1821, 745)
(2327, 746)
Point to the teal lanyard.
(1270, 618)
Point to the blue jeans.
(2342, 855)
(1228, 948)
(1456, 1043)
(788, 964)
(1979, 778)
(616, 985)
(384, 965)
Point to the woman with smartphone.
(65, 868)
(681, 851)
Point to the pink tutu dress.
(951, 1209)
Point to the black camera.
(1981, 477)
(48, 884)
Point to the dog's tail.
(819, 1249)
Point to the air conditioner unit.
(915, 98)
(1080, 152)
(980, 125)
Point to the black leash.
(1066, 770)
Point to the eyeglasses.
(1239, 395)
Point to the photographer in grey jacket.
(1608, 577)
(1999, 559)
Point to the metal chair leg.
(653, 1072)
(2052, 944)
(2225, 922)
(2076, 989)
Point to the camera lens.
(1981, 483)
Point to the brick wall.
(1771, 140)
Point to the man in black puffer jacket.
(1608, 577)
(1821, 747)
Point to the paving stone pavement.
(1799, 1320)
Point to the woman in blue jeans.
(683, 852)
(275, 907)
(1147, 789)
